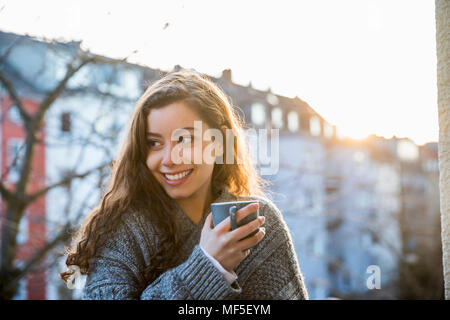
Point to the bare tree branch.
(6, 194)
(14, 97)
(54, 94)
(18, 273)
(13, 162)
(65, 181)
(18, 198)
(64, 235)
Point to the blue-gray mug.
(222, 210)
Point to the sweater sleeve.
(229, 276)
(272, 270)
(116, 272)
(279, 278)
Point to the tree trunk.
(443, 77)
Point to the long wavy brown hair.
(132, 186)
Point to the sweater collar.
(188, 225)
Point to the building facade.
(344, 202)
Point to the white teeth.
(177, 176)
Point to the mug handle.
(232, 212)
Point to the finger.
(252, 241)
(239, 256)
(246, 211)
(246, 229)
(245, 253)
(209, 221)
(224, 226)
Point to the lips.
(178, 175)
(176, 178)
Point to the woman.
(152, 235)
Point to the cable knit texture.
(271, 271)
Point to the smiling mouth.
(179, 176)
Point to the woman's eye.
(153, 143)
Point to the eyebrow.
(152, 134)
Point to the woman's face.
(179, 180)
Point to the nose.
(167, 157)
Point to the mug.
(222, 210)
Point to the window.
(327, 130)
(65, 122)
(21, 293)
(359, 156)
(22, 235)
(272, 99)
(16, 151)
(314, 126)
(407, 150)
(277, 118)
(315, 245)
(107, 124)
(14, 115)
(293, 122)
(258, 114)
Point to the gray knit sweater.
(271, 271)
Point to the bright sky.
(367, 66)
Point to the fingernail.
(263, 229)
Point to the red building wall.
(11, 132)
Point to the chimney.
(226, 75)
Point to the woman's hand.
(225, 245)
